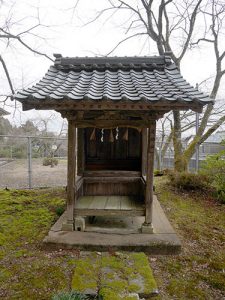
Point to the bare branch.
(202, 40)
(191, 29)
(212, 129)
(7, 74)
(100, 14)
(124, 40)
(9, 35)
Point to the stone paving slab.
(118, 276)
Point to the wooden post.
(147, 226)
(144, 152)
(71, 176)
(80, 151)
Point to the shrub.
(158, 173)
(19, 152)
(5, 153)
(73, 295)
(50, 161)
(214, 167)
(188, 181)
(60, 210)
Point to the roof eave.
(141, 105)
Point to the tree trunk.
(180, 164)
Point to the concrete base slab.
(111, 233)
(147, 228)
(67, 226)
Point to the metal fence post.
(29, 152)
(160, 158)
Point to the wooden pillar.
(147, 226)
(144, 152)
(71, 176)
(80, 151)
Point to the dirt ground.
(15, 174)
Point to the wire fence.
(166, 161)
(34, 161)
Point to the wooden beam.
(111, 173)
(150, 174)
(144, 152)
(80, 151)
(87, 105)
(71, 174)
(112, 123)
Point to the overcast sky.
(64, 32)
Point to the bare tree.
(173, 26)
(10, 35)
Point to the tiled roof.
(150, 79)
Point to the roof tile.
(135, 79)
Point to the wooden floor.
(109, 205)
(163, 240)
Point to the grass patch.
(28, 272)
(198, 273)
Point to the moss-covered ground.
(26, 271)
(114, 277)
(29, 272)
(199, 271)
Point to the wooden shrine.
(112, 105)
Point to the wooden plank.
(84, 202)
(108, 188)
(134, 143)
(108, 206)
(134, 203)
(113, 203)
(98, 202)
(126, 203)
(106, 173)
(109, 212)
(108, 124)
(138, 204)
(111, 179)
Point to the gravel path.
(15, 174)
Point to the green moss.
(174, 267)
(141, 266)
(86, 274)
(26, 216)
(108, 294)
(111, 275)
(34, 278)
(200, 222)
(214, 279)
(26, 272)
(5, 274)
(112, 262)
(133, 288)
(183, 289)
(218, 262)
